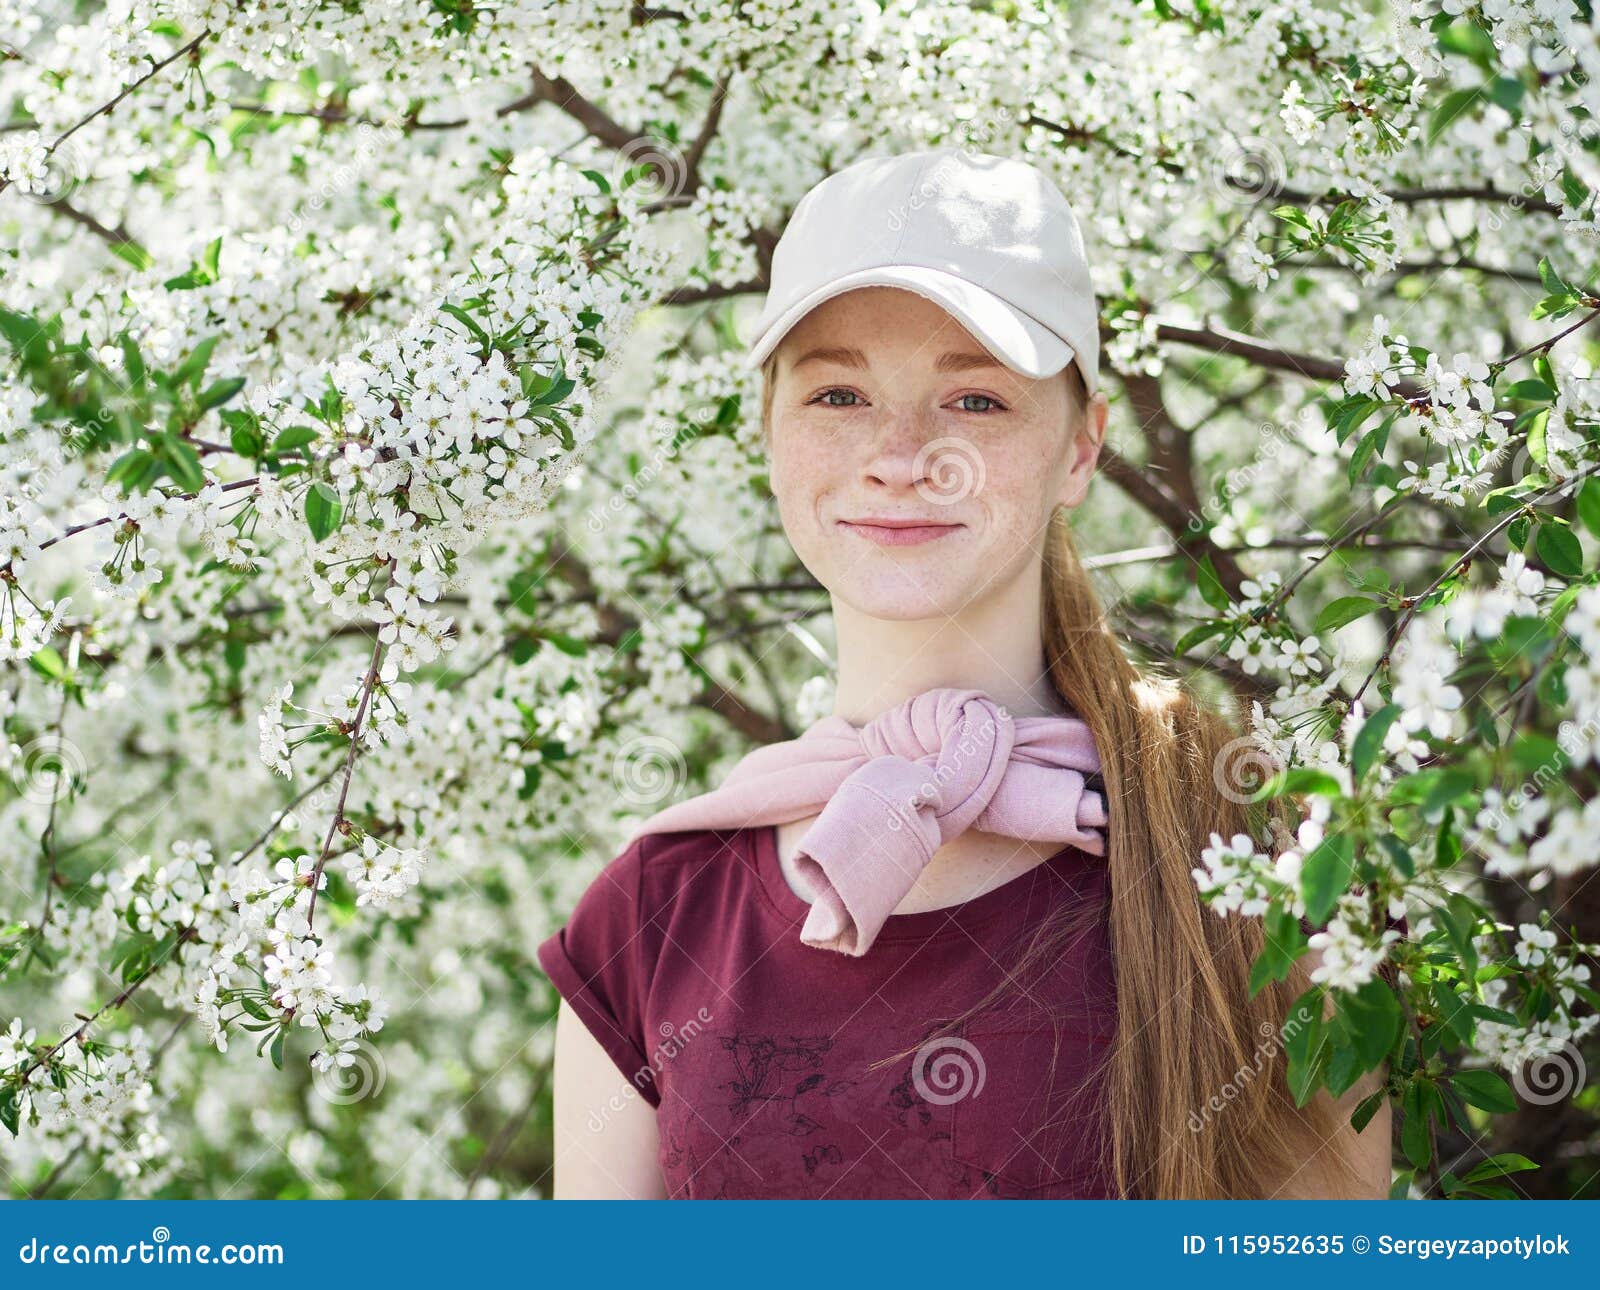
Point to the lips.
(903, 531)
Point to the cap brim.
(1016, 339)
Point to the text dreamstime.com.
(159, 1249)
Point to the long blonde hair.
(1188, 1032)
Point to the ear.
(1085, 451)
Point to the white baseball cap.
(990, 239)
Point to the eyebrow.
(848, 356)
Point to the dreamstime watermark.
(159, 1249)
(1550, 1077)
(674, 1039)
(48, 768)
(699, 420)
(948, 470)
(353, 1073)
(971, 743)
(1500, 819)
(948, 1069)
(1248, 170)
(1242, 767)
(45, 173)
(1273, 441)
(1533, 189)
(369, 139)
(666, 168)
(1276, 1038)
(973, 137)
(647, 769)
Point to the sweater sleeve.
(594, 962)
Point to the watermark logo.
(1550, 1078)
(948, 470)
(947, 1070)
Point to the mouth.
(901, 532)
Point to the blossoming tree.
(383, 528)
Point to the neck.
(993, 645)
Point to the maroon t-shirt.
(684, 959)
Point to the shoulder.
(664, 868)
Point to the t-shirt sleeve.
(595, 963)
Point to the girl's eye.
(994, 403)
(826, 397)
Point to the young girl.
(947, 943)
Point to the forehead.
(870, 311)
(872, 325)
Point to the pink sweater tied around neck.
(894, 791)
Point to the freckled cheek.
(798, 488)
(1013, 501)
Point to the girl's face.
(885, 408)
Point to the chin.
(903, 599)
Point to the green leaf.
(1454, 1013)
(1371, 1020)
(1305, 1044)
(1344, 1066)
(133, 253)
(1292, 215)
(324, 510)
(1551, 280)
(1432, 789)
(1364, 451)
(1459, 918)
(220, 392)
(47, 662)
(1347, 417)
(1285, 941)
(1325, 875)
(131, 358)
(551, 389)
(1299, 780)
(276, 1051)
(1507, 1162)
(1190, 639)
(1454, 104)
(1399, 854)
(1532, 752)
(1368, 744)
(566, 644)
(1466, 38)
(1343, 611)
(1507, 91)
(1366, 1109)
(245, 435)
(1529, 389)
(469, 322)
(1589, 505)
(1559, 548)
(184, 463)
(331, 407)
(1415, 1138)
(1485, 1090)
(194, 367)
(1210, 586)
(129, 467)
(294, 437)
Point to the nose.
(898, 437)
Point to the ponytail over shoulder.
(1198, 1106)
